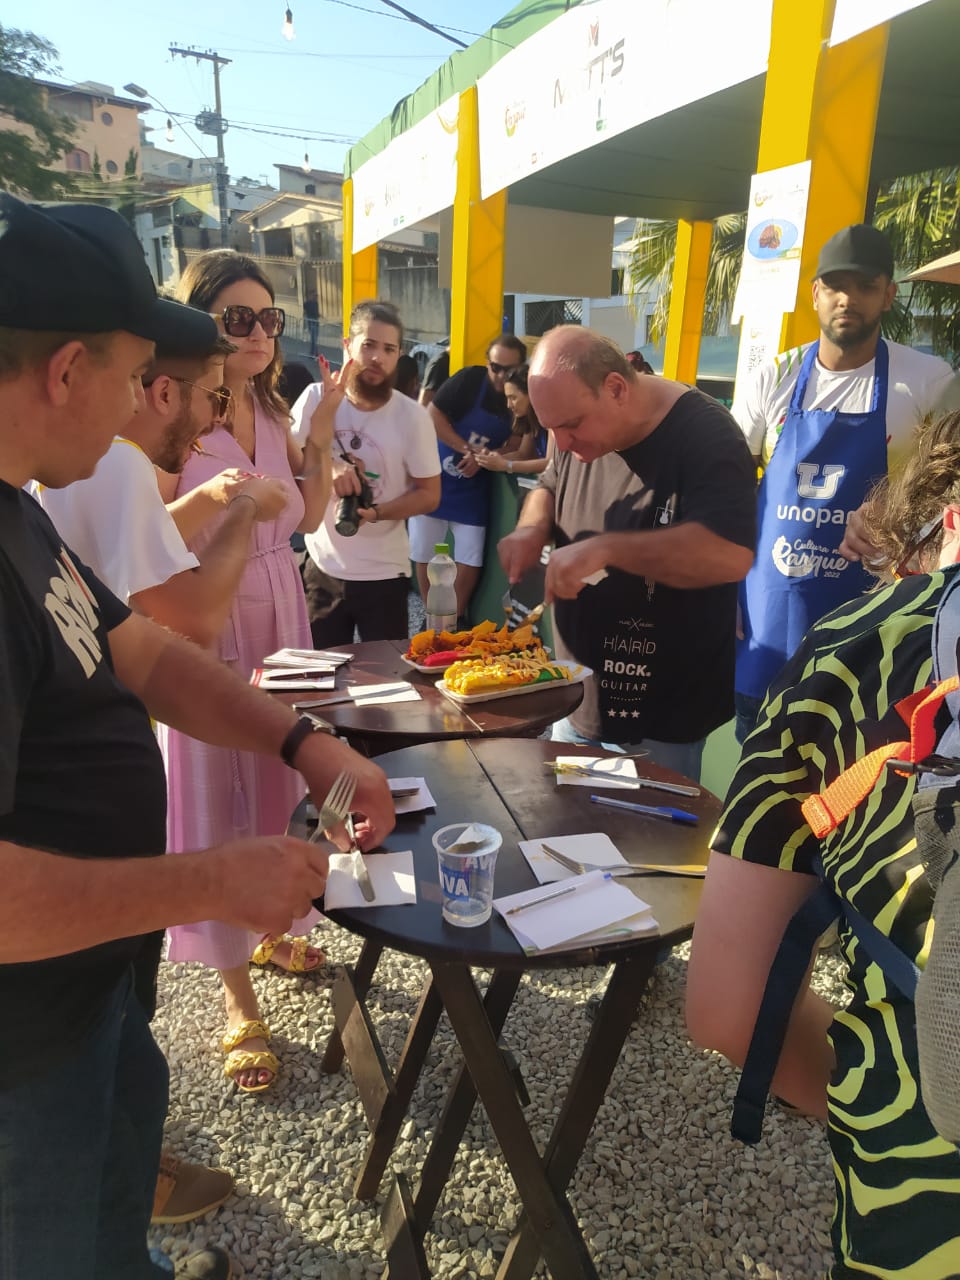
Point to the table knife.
(359, 866)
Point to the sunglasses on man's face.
(501, 368)
(220, 397)
(239, 322)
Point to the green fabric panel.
(461, 70)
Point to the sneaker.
(187, 1191)
(212, 1263)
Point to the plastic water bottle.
(441, 600)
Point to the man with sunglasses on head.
(469, 413)
(116, 520)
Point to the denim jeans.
(684, 757)
(79, 1153)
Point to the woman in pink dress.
(216, 794)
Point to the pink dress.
(216, 794)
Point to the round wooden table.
(505, 784)
(434, 718)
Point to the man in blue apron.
(469, 414)
(824, 420)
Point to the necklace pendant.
(356, 442)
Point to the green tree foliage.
(921, 216)
(24, 157)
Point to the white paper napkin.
(595, 847)
(366, 695)
(595, 903)
(622, 773)
(412, 804)
(391, 875)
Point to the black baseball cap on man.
(78, 268)
(857, 248)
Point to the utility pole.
(213, 123)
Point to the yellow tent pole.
(479, 229)
(820, 103)
(359, 269)
(687, 296)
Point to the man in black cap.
(83, 1087)
(824, 421)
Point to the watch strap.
(291, 743)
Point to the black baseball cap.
(79, 268)
(857, 248)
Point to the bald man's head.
(581, 386)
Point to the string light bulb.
(287, 30)
(169, 134)
(306, 162)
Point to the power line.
(378, 13)
(422, 22)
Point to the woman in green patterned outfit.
(898, 1184)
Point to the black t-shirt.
(437, 372)
(80, 770)
(663, 657)
(459, 394)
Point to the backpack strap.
(826, 811)
(784, 982)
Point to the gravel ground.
(661, 1191)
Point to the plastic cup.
(466, 875)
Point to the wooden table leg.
(586, 1093)
(547, 1208)
(332, 1059)
(386, 1126)
(461, 1098)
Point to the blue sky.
(347, 67)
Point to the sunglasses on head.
(220, 397)
(911, 564)
(501, 368)
(239, 322)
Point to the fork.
(619, 873)
(336, 803)
(506, 604)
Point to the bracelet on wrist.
(374, 508)
(250, 498)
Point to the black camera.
(347, 521)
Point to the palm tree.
(921, 216)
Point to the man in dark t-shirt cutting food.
(651, 500)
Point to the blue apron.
(822, 467)
(466, 499)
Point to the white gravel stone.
(661, 1190)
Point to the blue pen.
(651, 810)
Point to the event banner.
(602, 68)
(412, 178)
(853, 17)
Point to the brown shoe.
(187, 1191)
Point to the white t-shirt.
(396, 444)
(916, 384)
(117, 523)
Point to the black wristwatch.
(292, 742)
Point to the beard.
(852, 336)
(374, 393)
(175, 449)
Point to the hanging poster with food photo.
(774, 238)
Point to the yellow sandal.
(246, 1060)
(263, 954)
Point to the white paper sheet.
(412, 804)
(367, 695)
(622, 773)
(290, 678)
(596, 847)
(306, 657)
(391, 875)
(595, 903)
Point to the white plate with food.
(578, 674)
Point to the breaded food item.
(771, 236)
(483, 640)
